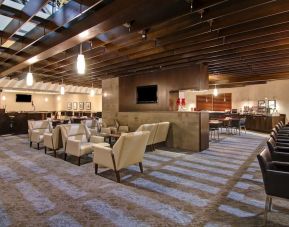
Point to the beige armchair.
(152, 128)
(162, 132)
(121, 128)
(128, 150)
(114, 129)
(36, 130)
(91, 125)
(53, 140)
(77, 140)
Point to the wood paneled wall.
(193, 77)
(214, 103)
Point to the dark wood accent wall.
(214, 103)
(193, 77)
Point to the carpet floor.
(221, 186)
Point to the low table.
(109, 136)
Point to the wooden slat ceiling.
(241, 41)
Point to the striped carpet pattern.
(221, 186)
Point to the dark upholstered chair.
(275, 178)
(279, 141)
(280, 135)
(277, 155)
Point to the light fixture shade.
(58, 98)
(92, 92)
(215, 91)
(62, 90)
(46, 99)
(80, 64)
(3, 98)
(29, 79)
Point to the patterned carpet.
(221, 186)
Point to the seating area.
(144, 113)
(89, 137)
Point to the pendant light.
(215, 91)
(80, 64)
(92, 91)
(62, 89)
(29, 78)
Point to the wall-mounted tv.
(147, 94)
(23, 98)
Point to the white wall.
(52, 104)
(249, 95)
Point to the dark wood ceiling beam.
(20, 15)
(251, 3)
(227, 79)
(211, 44)
(110, 62)
(64, 15)
(73, 37)
(30, 9)
(198, 6)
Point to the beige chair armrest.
(73, 147)
(35, 136)
(123, 129)
(96, 139)
(102, 156)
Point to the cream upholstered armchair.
(152, 128)
(53, 140)
(36, 130)
(121, 128)
(92, 125)
(117, 128)
(128, 150)
(162, 132)
(77, 140)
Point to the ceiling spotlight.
(128, 25)
(215, 92)
(80, 64)
(144, 34)
(29, 78)
(92, 91)
(46, 99)
(62, 89)
(58, 98)
(3, 97)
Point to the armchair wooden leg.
(117, 176)
(45, 149)
(95, 168)
(140, 167)
(270, 204)
(54, 153)
(116, 171)
(266, 210)
(38, 146)
(65, 156)
(78, 161)
(30, 143)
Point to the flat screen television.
(147, 94)
(23, 98)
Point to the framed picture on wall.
(81, 105)
(261, 103)
(69, 106)
(75, 106)
(272, 104)
(88, 105)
